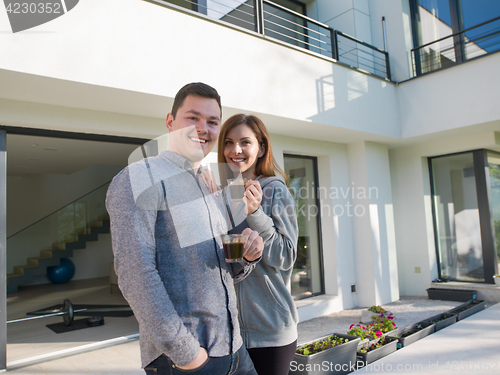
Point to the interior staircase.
(23, 275)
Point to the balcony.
(457, 48)
(287, 26)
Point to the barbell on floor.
(68, 312)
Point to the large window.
(307, 277)
(447, 32)
(466, 203)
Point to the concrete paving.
(469, 346)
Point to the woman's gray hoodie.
(267, 312)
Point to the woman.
(267, 313)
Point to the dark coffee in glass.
(233, 247)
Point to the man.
(165, 228)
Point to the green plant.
(377, 309)
(360, 331)
(320, 345)
(383, 323)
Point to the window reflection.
(457, 218)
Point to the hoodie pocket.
(262, 307)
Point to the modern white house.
(384, 114)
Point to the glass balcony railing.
(278, 22)
(62, 226)
(457, 48)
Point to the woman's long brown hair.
(266, 164)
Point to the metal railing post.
(417, 62)
(387, 66)
(259, 16)
(335, 46)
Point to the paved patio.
(466, 347)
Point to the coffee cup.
(233, 247)
(236, 188)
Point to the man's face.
(194, 131)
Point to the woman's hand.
(198, 361)
(254, 245)
(208, 179)
(252, 197)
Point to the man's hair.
(196, 89)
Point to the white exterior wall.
(123, 46)
(373, 218)
(458, 97)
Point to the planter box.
(339, 360)
(460, 295)
(378, 353)
(496, 280)
(475, 304)
(449, 320)
(405, 341)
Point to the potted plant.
(372, 351)
(383, 323)
(410, 334)
(362, 332)
(468, 308)
(332, 354)
(442, 320)
(496, 278)
(367, 315)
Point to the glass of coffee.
(233, 247)
(236, 188)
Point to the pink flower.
(382, 315)
(394, 324)
(378, 333)
(352, 325)
(364, 328)
(390, 317)
(381, 321)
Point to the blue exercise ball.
(62, 273)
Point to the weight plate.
(68, 312)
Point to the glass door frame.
(314, 160)
(487, 227)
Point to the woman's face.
(241, 151)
